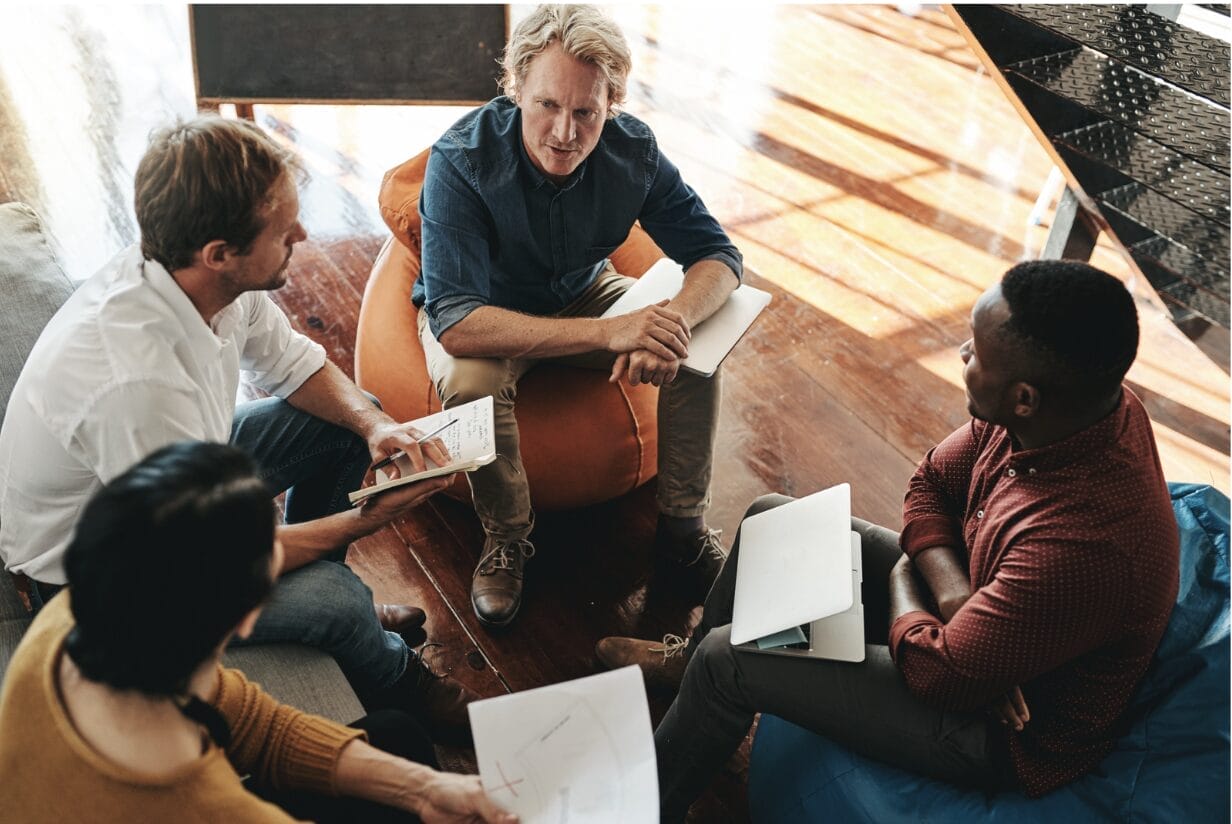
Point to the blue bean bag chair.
(1173, 764)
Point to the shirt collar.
(536, 177)
(1096, 439)
(198, 332)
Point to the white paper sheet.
(579, 752)
(470, 439)
(471, 443)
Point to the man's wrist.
(366, 421)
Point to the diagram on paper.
(570, 772)
(575, 753)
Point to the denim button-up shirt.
(496, 232)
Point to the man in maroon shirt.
(1034, 576)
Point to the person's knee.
(765, 503)
(473, 378)
(398, 733)
(332, 599)
(715, 657)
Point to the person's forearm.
(945, 575)
(366, 772)
(906, 594)
(707, 285)
(308, 541)
(491, 332)
(331, 396)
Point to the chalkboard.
(341, 53)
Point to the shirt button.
(980, 514)
(1011, 473)
(1031, 471)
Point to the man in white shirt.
(149, 351)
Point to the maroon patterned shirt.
(1072, 554)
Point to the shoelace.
(426, 672)
(710, 543)
(500, 557)
(672, 646)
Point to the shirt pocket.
(599, 251)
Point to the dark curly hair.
(1076, 325)
(166, 560)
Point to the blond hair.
(583, 32)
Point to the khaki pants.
(688, 419)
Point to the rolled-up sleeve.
(675, 217)
(275, 357)
(936, 499)
(455, 255)
(280, 746)
(1050, 602)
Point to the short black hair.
(166, 560)
(1077, 323)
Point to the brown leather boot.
(662, 662)
(496, 588)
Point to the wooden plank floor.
(874, 177)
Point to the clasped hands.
(651, 344)
(1011, 708)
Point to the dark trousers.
(395, 732)
(865, 707)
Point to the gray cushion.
(303, 677)
(13, 621)
(33, 285)
(11, 606)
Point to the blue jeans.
(323, 604)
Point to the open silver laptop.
(798, 583)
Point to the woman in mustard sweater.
(111, 711)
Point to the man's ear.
(215, 254)
(1026, 400)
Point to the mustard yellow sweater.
(49, 773)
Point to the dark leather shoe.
(662, 663)
(701, 553)
(405, 620)
(496, 588)
(440, 701)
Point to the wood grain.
(876, 180)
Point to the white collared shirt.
(125, 367)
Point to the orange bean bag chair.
(583, 439)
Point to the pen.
(432, 434)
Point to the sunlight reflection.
(89, 182)
(340, 197)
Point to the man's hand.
(385, 439)
(643, 367)
(364, 771)
(1011, 708)
(392, 504)
(449, 798)
(661, 331)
